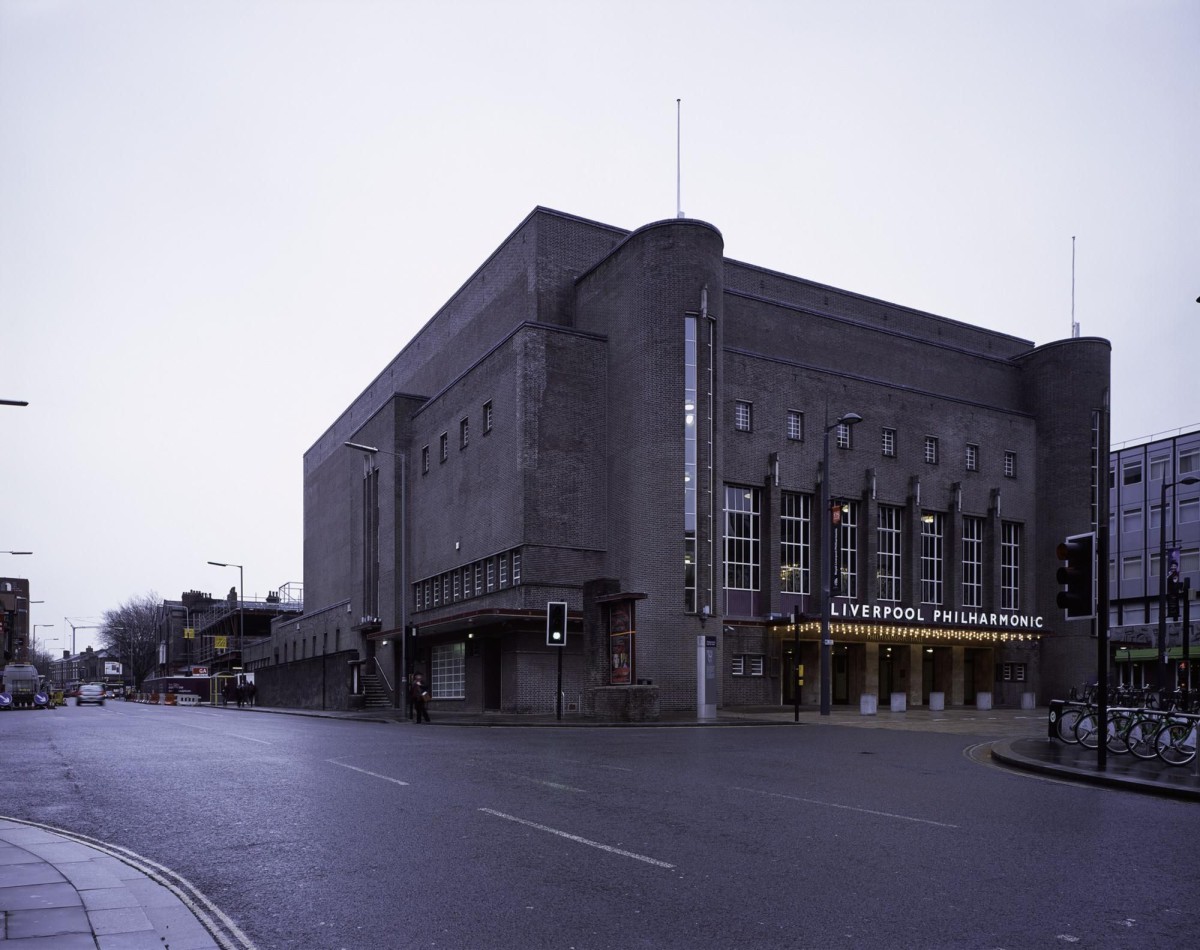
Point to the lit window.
(742, 536)
(795, 550)
(889, 552)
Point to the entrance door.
(887, 674)
(491, 673)
(788, 666)
(841, 677)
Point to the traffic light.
(556, 624)
(1173, 590)
(1078, 576)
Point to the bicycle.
(1175, 740)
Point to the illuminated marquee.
(933, 615)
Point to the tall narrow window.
(846, 549)
(487, 417)
(1010, 464)
(889, 552)
(972, 457)
(690, 463)
(972, 562)
(888, 442)
(931, 450)
(795, 425)
(445, 446)
(743, 415)
(795, 548)
(464, 433)
(933, 526)
(741, 538)
(843, 436)
(1010, 566)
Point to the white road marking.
(541, 781)
(576, 838)
(224, 732)
(865, 811)
(355, 768)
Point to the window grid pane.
(972, 562)
(741, 538)
(448, 675)
(932, 540)
(1010, 566)
(795, 551)
(889, 553)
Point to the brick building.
(633, 424)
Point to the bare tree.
(130, 634)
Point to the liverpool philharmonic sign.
(926, 614)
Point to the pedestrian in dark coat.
(420, 698)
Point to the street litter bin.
(1056, 708)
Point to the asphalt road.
(319, 833)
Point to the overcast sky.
(219, 220)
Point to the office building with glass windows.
(1154, 519)
(632, 424)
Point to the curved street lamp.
(241, 611)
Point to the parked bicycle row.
(1138, 697)
(1145, 732)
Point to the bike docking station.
(706, 677)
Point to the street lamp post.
(1162, 577)
(829, 566)
(241, 611)
(35, 630)
(370, 450)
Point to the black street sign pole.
(796, 659)
(1187, 641)
(558, 694)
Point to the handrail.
(379, 666)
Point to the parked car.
(90, 693)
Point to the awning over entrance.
(1126, 655)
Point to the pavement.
(61, 891)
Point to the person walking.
(420, 698)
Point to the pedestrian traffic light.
(556, 624)
(1078, 576)
(1173, 590)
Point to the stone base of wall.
(622, 703)
(319, 682)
